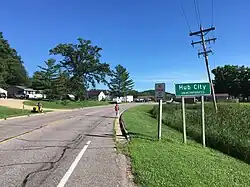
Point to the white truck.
(117, 100)
(129, 98)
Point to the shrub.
(228, 130)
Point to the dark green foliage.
(38, 80)
(227, 131)
(120, 84)
(150, 93)
(46, 79)
(12, 70)
(82, 63)
(62, 85)
(232, 79)
(134, 93)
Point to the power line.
(185, 16)
(196, 13)
(198, 10)
(212, 12)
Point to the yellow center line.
(30, 131)
(38, 128)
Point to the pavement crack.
(22, 139)
(79, 138)
(35, 148)
(52, 164)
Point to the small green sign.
(192, 89)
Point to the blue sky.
(149, 37)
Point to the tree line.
(232, 79)
(12, 70)
(78, 68)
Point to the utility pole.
(201, 33)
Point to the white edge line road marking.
(73, 165)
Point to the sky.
(148, 37)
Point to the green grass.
(171, 163)
(228, 130)
(67, 105)
(6, 112)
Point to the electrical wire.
(213, 16)
(185, 16)
(198, 10)
(196, 13)
(212, 12)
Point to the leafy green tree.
(12, 70)
(120, 84)
(82, 63)
(37, 80)
(62, 84)
(134, 93)
(232, 79)
(46, 78)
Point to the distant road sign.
(192, 89)
(160, 91)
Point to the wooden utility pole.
(201, 33)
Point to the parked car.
(21, 96)
(30, 96)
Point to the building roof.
(94, 92)
(25, 88)
(222, 94)
(145, 97)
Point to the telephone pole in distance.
(201, 33)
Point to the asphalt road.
(62, 149)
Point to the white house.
(97, 95)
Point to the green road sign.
(192, 89)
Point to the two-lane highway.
(61, 149)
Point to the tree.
(134, 93)
(37, 80)
(82, 63)
(12, 70)
(120, 84)
(62, 84)
(46, 78)
(232, 79)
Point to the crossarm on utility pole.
(207, 41)
(201, 31)
(208, 70)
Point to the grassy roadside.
(66, 105)
(170, 163)
(227, 130)
(6, 112)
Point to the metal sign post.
(160, 119)
(184, 120)
(193, 89)
(203, 121)
(159, 96)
